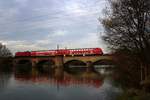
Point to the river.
(15, 85)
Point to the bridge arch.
(24, 61)
(74, 65)
(74, 62)
(51, 62)
(23, 66)
(104, 62)
(104, 65)
(45, 65)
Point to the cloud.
(22, 46)
(75, 9)
(60, 33)
(42, 24)
(91, 40)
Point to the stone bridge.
(60, 61)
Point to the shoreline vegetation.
(127, 31)
(6, 59)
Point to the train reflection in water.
(64, 79)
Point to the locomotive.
(64, 52)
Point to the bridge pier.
(59, 66)
(14, 63)
(90, 67)
(33, 63)
(59, 61)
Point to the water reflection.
(29, 83)
(4, 80)
(63, 79)
(5, 74)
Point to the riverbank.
(134, 94)
(132, 88)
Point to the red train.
(65, 52)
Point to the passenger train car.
(64, 52)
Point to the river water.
(15, 85)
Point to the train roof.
(61, 49)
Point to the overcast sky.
(42, 24)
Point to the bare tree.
(4, 52)
(127, 27)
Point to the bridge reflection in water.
(30, 83)
(63, 79)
